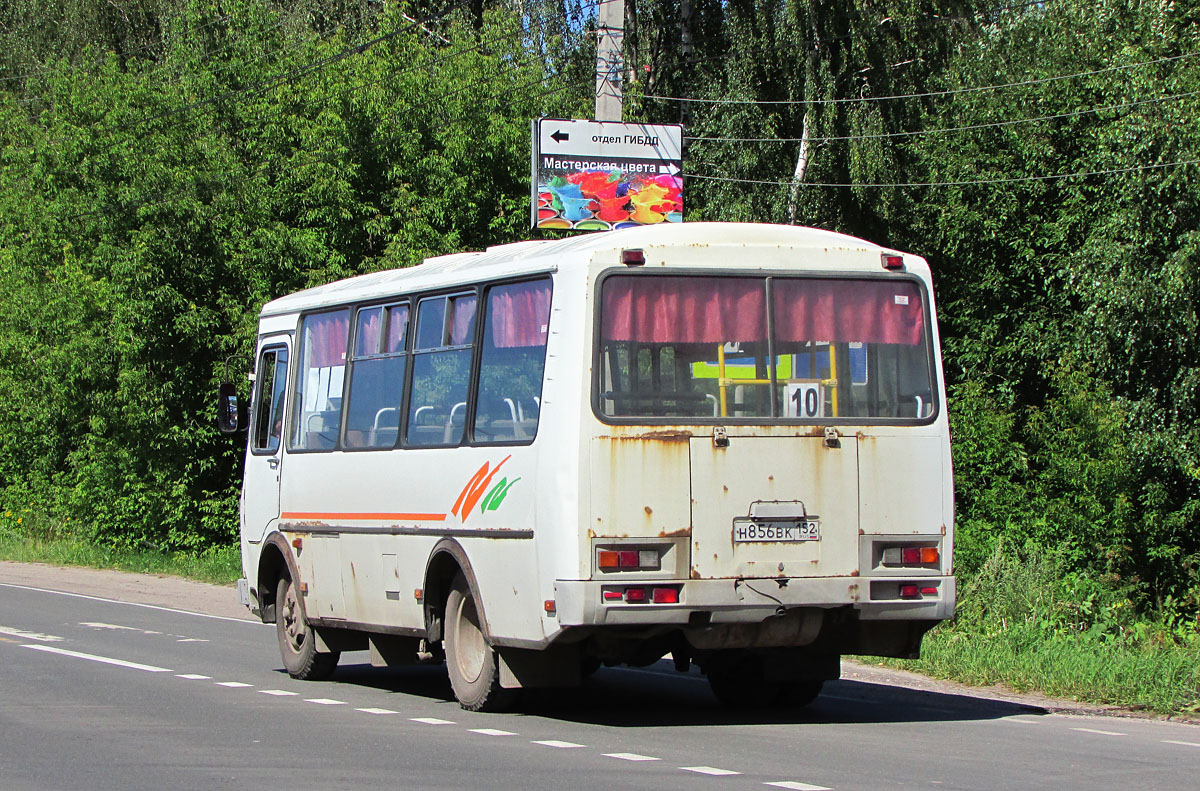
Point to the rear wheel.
(470, 661)
(297, 640)
(739, 681)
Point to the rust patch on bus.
(622, 433)
(683, 532)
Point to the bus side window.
(445, 329)
(376, 377)
(512, 360)
(317, 406)
(268, 405)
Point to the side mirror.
(229, 409)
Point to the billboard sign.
(604, 175)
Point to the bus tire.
(738, 680)
(471, 663)
(798, 694)
(297, 640)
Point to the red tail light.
(666, 596)
(892, 261)
(910, 591)
(635, 595)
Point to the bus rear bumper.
(717, 601)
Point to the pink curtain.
(397, 326)
(868, 311)
(683, 310)
(327, 335)
(519, 314)
(463, 320)
(366, 336)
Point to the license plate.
(796, 529)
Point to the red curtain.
(868, 311)
(366, 336)
(724, 309)
(683, 309)
(326, 335)
(519, 314)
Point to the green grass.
(1164, 679)
(219, 565)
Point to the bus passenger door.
(260, 489)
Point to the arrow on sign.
(559, 136)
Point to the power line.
(929, 94)
(947, 129)
(974, 182)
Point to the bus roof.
(542, 255)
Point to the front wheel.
(470, 661)
(297, 640)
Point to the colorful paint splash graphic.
(599, 200)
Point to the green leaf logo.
(496, 495)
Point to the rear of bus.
(768, 460)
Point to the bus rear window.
(790, 348)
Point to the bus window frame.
(480, 291)
(767, 276)
(273, 346)
(298, 353)
(386, 305)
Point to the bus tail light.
(642, 594)
(892, 261)
(911, 556)
(910, 591)
(665, 596)
(636, 559)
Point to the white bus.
(725, 443)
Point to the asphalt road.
(103, 694)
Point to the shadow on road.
(638, 698)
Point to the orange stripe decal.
(333, 517)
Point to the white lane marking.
(325, 701)
(101, 625)
(709, 770)
(557, 743)
(191, 640)
(631, 757)
(234, 684)
(431, 721)
(1184, 744)
(134, 604)
(103, 659)
(377, 711)
(24, 635)
(1101, 733)
(491, 732)
(193, 676)
(794, 786)
(278, 692)
(1018, 719)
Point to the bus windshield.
(790, 348)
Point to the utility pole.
(610, 66)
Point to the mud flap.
(552, 667)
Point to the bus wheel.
(738, 680)
(471, 662)
(297, 641)
(800, 693)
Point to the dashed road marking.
(1184, 744)
(233, 684)
(431, 721)
(557, 743)
(709, 770)
(1099, 732)
(279, 693)
(107, 660)
(491, 732)
(193, 676)
(377, 711)
(1020, 720)
(631, 757)
(111, 626)
(325, 701)
(24, 635)
(794, 786)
